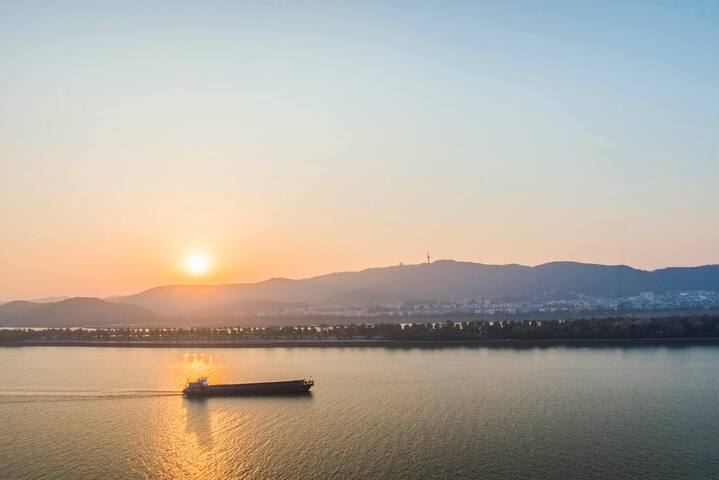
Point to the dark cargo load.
(201, 388)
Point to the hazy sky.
(297, 138)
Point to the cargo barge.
(200, 388)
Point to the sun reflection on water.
(193, 365)
(218, 438)
(189, 439)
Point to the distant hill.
(242, 308)
(361, 296)
(440, 280)
(73, 312)
(174, 299)
(15, 310)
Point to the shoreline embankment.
(378, 343)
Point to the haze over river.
(375, 413)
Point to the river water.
(375, 413)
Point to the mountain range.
(72, 312)
(440, 280)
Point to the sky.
(290, 139)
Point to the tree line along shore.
(685, 328)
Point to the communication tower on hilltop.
(428, 258)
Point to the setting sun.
(197, 264)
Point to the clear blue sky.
(298, 138)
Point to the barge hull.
(265, 388)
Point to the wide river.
(375, 413)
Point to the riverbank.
(368, 343)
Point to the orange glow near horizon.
(115, 169)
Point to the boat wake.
(25, 396)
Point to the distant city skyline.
(180, 142)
